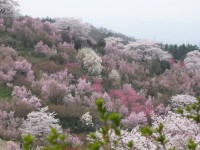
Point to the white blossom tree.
(87, 119)
(39, 123)
(8, 11)
(90, 61)
(114, 76)
(8, 8)
(177, 129)
(114, 43)
(75, 27)
(145, 50)
(192, 60)
(180, 101)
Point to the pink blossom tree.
(113, 44)
(134, 119)
(53, 88)
(41, 48)
(30, 31)
(9, 126)
(24, 67)
(134, 101)
(8, 56)
(177, 80)
(97, 87)
(21, 95)
(80, 93)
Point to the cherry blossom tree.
(9, 11)
(134, 119)
(87, 119)
(21, 95)
(192, 60)
(31, 31)
(24, 67)
(55, 37)
(177, 80)
(42, 48)
(108, 102)
(64, 46)
(80, 93)
(8, 56)
(53, 87)
(9, 126)
(145, 50)
(97, 87)
(177, 130)
(90, 61)
(115, 78)
(180, 101)
(134, 101)
(113, 43)
(9, 8)
(109, 62)
(73, 27)
(39, 123)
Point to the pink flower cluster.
(131, 99)
(41, 48)
(31, 31)
(21, 95)
(7, 56)
(24, 66)
(55, 86)
(9, 126)
(134, 119)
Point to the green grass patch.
(5, 92)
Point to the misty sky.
(168, 21)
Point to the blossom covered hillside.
(53, 70)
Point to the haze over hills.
(165, 21)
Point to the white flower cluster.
(114, 76)
(114, 43)
(87, 119)
(192, 60)
(39, 123)
(140, 142)
(145, 50)
(90, 61)
(180, 101)
(75, 27)
(178, 131)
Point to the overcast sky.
(168, 21)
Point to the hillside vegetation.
(53, 70)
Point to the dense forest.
(52, 70)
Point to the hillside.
(53, 70)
